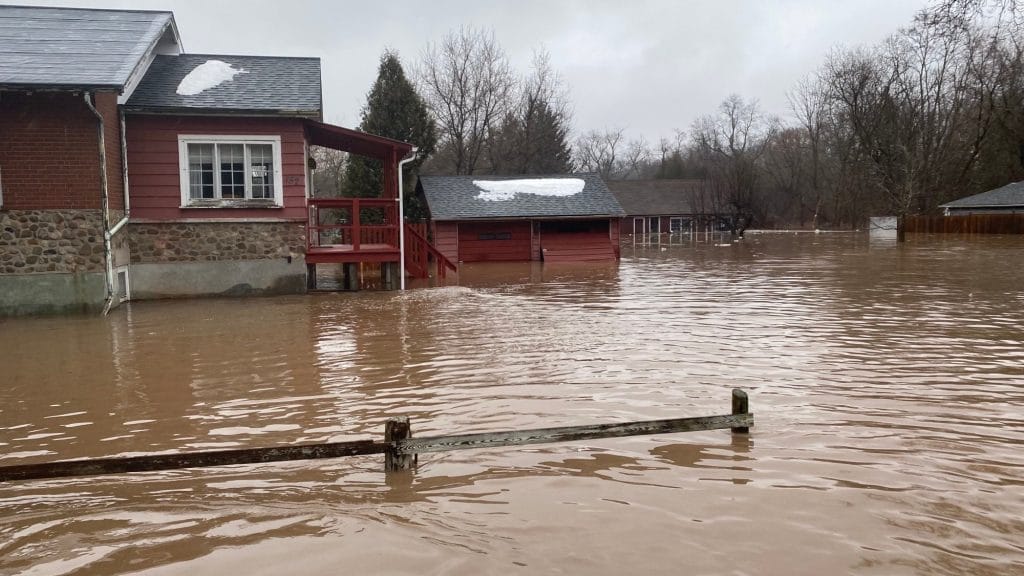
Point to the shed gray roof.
(270, 85)
(1007, 196)
(657, 197)
(458, 198)
(75, 48)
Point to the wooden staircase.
(420, 254)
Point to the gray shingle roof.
(458, 198)
(270, 85)
(657, 197)
(1004, 197)
(71, 47)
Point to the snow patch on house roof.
(207, 75)
(501, 190)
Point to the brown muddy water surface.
(887, 385)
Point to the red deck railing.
(366, 230)
(352, 224)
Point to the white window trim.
(672, 220)
(186, 200)
(127, 283)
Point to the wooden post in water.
(740, 405)
(396, 429)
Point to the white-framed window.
(675, 224)
(219, 171)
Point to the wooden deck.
(340, 253)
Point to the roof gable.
(1007, 196)
(76, 48)
(255, 85)
(522, 196)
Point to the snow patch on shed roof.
(207, 75)
(501, 190)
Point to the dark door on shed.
(494, 241)
(576, 241)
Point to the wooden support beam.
(396, 431)
(100, 466)
(399, 447)
(740, 405)
(570, 433)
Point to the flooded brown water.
(887, 385)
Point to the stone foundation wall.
(51, 241)
(214, 241)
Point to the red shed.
(554, 218)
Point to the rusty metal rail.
(399, 447)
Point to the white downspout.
(107, 252)
(401, 216)
(124, 178)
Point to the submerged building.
(130, 169)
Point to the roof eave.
(50, 87)
(954, 205)
(193, 111)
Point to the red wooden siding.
(446, 239)
(154, 175)
(577, 247)
(579, 241)
(477, 242)
(49, 151)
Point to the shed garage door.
(494, 241)
(587, 241)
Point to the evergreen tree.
(532, 137)
(394, 110)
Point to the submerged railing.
(399, 447)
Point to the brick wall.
(49, 155)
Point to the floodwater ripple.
(886, 382)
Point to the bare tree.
(599, 151)
(468, 85)
(328, 171)
(731, 144)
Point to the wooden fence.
(965, 224)
(399, 447)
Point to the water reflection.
(886, 383)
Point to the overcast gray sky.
(646, 66)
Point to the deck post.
(397, 429)
(350, 276)
(740, 405)
(310, 276)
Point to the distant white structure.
(883, 227)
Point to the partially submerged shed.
(1007, 199)
(661, 206)
(554, 218)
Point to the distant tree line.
(933, 113)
